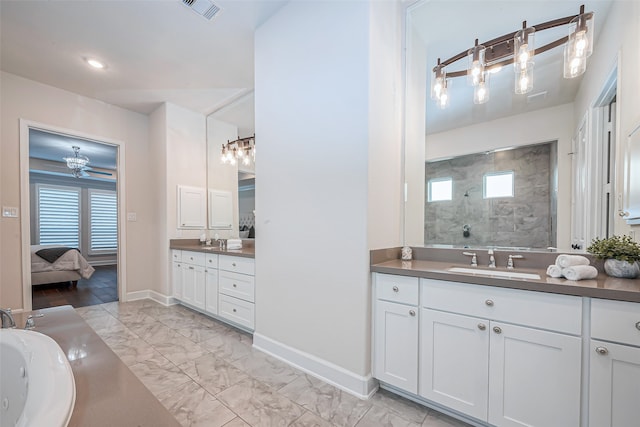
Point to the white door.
(176, 280)
(534, 377)
(199, 287)
(396, 345)
(454, 361)
(188, 283)
(211, 291)
(614, 388)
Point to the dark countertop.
(602, 286)
(247, 251)
(107, 392)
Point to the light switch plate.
(9, 212)
(131, 216)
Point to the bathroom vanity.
(503, 350)
(219, 283)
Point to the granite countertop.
(602, 286)
(247, 251)
(107, 392)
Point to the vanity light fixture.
(241, 150)
(517, 48)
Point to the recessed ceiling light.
(95, 63)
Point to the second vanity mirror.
(231, 183)
(504, 173)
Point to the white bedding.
(71, 260)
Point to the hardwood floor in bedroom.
(100, 289)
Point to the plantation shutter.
(59, 216)
(103, 221)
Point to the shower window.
(498, 184)
(440, 189)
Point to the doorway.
(71, 188)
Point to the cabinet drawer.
(562, 313)
(236, 310)
(236, 285)
(400, 289)
(617, 321)
(211, 260)
(237, 264)
(196, 258)
(176, 255)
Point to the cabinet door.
(188, 283)
(199, 288)
(534, 377)
(614, 388)
(454, 361)
(192, 207)
(211, 291)
(396, 345)
(176, 280)
(220, 209)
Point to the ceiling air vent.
(204, 8)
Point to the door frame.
(25, 216)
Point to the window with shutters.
(58, 215)
(103, 222)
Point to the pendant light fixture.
(519, 49)
(242, 150)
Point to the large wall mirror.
(234, 120)
(510, 172)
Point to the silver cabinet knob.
(482, 326)
(602, 350)
(412, 312)
(234, 264)
(234, 310)
(497, 330)
(638, 326)
(235, 286)
(395, 289)
(190, 268)
(623, 214)
(489, 303)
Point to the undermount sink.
(494, 273)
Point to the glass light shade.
(524, 79)
(443, 101)
(438, 81)
(475, 70)
(481, 90)
(524, 48)
(573, 65)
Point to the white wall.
(316, 101)
(549, 124)
(26, 99)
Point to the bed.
(69, 267)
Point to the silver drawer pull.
(190, 268)
(395, 289)
(234, 310)
(191, 258)
(235, 286)
(602, 350)
(412, 312)
(489, 303)
(638, 326)
(234, 264)
(497, 330)
(482, 326)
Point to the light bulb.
(481, 93)
(523, 56)
(524, 82)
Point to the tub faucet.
(7, 318)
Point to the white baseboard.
(152, 295)
(357, 385)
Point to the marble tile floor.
(206, 373)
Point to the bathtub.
(36, 386)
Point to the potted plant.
(621, 255)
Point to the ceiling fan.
(79, 164)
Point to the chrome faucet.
(492, 260)
(510, 262)
(7, 318)
(474, 259)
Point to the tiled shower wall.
(525, 220)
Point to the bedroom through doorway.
(73, 206)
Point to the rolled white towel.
(234, 244)
(580, 272)
(554, 271)
(565, 261)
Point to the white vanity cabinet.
(211, 284)
(500, 354)
(396, 331)
(236, 290)
(614, 352)
(176, 274)
(193, 278)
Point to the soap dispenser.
(492, 260)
